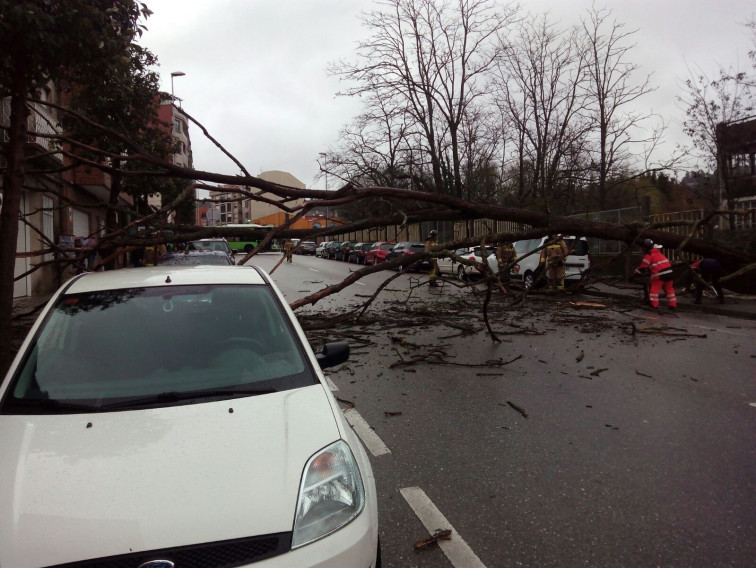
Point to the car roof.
(149, 277)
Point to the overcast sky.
(256, 69)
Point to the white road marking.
(371, 440)
(331, 384)
(752, 404)
(361, 283)
(314, 269)
(456, 549)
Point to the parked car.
(345, 249)
(196, 257)
(178, 413)
(406, 248)
(378, 252)
(465, 272)
(332, 250)
(210, 244)
(306, 248)
(320, 249)
(357, 254)
(529, 266)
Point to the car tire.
(528, 281)
(461, 272)
(248, 248)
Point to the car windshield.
(196, 258)
(489, 251)
(524, 247)
(108, 348)
(387, 246)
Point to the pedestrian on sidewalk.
(661, 275)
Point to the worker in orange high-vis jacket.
(660, 270)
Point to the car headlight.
(331, 494)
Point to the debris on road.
(440, 534)
(517, 408)
(587, 305)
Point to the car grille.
(224, 554)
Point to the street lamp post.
(175, 74)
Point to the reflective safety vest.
(657, 263)
(556, 253)
(505, 254)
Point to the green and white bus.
(242, 244)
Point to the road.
(594, 446)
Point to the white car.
(177, 416)
(465, 272)
(529, 266)
(320, 249)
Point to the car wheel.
(248, 248)
(527, 280)
(461, 272)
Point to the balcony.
(93, 181)
(42, 127)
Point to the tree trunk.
(13, 182)
(110, 216)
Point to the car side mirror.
(333, 354)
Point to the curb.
(729, 310)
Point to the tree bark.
(13, 182)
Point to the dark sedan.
(332, 250)
(345, 249)
(357, 254)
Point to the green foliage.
(63, 40)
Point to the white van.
(529, 268)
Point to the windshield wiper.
(174, 396)
(62, 406)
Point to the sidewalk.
(736, 306)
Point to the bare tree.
(429, 60)
(621, 138)
(709, 104)
(539, 86)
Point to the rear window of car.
(580, 246)
(524, 247)
(417, 248)
(101, 347)
(210, 245)
(387, 246)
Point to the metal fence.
(615, 216)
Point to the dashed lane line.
(371, 440)
(456, 549)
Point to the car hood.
(91, 485)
